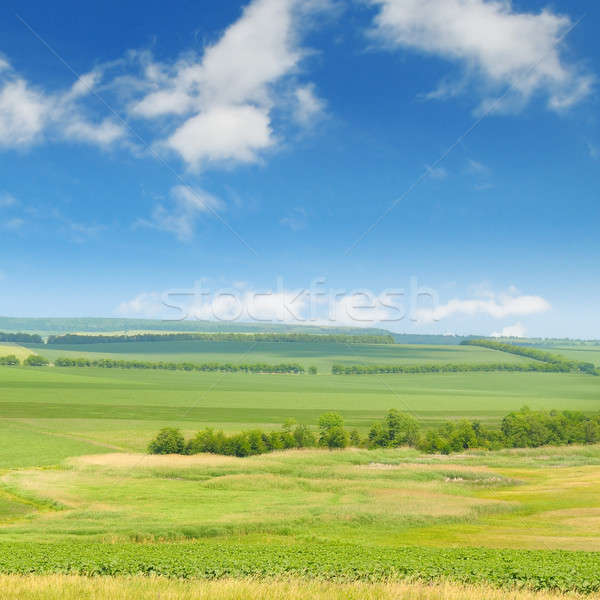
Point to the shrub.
(35, 360)
(304, 437)
(332, 432)
(168, 441)
(11, 360)
(312, 370)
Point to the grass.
(125, 408)
(19, 351)
(72, 587)
(24, 445)
(581, 353)
(322, 355)
(71, 474)
(385, 498)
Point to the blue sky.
(244, 147)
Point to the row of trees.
(449, 368)
(110, 363)
(540, 355)
(25, 338)
(79, 338)
(521, 429)
(331, 434)
(33, 360)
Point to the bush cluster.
(546, 357)
(336, 338)
(110, 363)
(332, 434)
(35, 360)
(521, 429)
(11, 360)
(449, 368)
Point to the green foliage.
(398, 429)
(110, 363)
(79, 338)
(520, 429)
(168, 441)
(332, 433)
(35, 360)
(10, 361)
(312, 370)
(248, 443)
(557, 570)
(21, 338)
(557, 361)
(522, 367)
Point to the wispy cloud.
(495, 45)
(296, 220)
(29, 115)
(497, 306)
(180, 216)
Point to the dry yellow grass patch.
(70, 587)
(131, 460)
(19, 351)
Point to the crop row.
(535, 569)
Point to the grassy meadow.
(74, 474)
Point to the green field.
(74, 472)
(124, 408)
(581, 353)
(322, 355)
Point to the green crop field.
(322, 355)
(75, 475)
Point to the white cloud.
(228, 96)
(223, 133)
(497, 307)
(104, 133)
(143, 305)
(593, 150)
(309, 107)
(29, 116)
(23, 114)
(496, 46)
(188, 204)
(511, 331)
(477, 168)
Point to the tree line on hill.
(110, 363)
(448, 368)
(25, 338)
(521, 429)
(35, 360)
(78, 338)
(540, 355)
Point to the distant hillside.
(48, 326)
